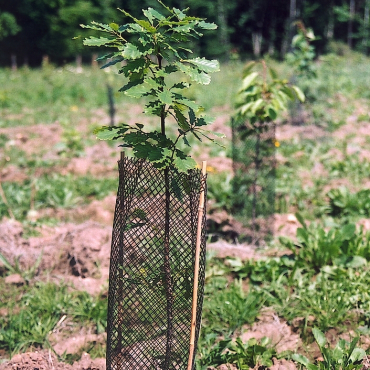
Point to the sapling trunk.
(166, 249)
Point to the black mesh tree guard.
(254, 165)
(152, 267)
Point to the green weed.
(316, 247)
(251, 355)
(31, 319)
(345, 355)
(343, 203)
(14, 268)
(228, 306)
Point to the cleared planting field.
(57, 199)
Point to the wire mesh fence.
(152, 267)
(254, 165)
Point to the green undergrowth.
(31, 313)
(319, 281)
(53, 191)
(312, 290)
(319, 284)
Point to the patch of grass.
(228, 306)
(53, 191)
(31, 318)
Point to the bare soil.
(77, 250)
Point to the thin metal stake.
(196, 272)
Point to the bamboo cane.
(196, 272)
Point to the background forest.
(31, 29)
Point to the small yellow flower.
(276, 143)
(211, 169)
(73, 108)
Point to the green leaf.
(112, 63)
(181, 119)
(186, 142)
(358, 354)
(272, 113)
(176, 189)
(273, 73)
(123, 28)
(133, 225)
(201, 78)
(248, 80)
(179, 14)
(194, 74)
(201, 121)
(156, 154)
(138, 91)
(185, 28)
(146, 25)
(356, 262)
(192, 116)
(106, 132)
(114, 26)
(300, 359)
(154, 14)
(348, 231)
(140, 213)
(205, 65)
(131, 51)
(257, 105)
(301, 220)
(180, 85)
(6, 263)
(207, 26)
(184, 163)
(299, 93)
(165, 97)
(319, 337)
(182, 100)
(97, 41)
(245, 108)
(105, 56)
(135, 65)
(97, 26)
(289, 91)
(130, 85)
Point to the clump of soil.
(271, 326)
(46, 360)
(77, 253)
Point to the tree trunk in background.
(223, 32)
(290, 27)
(365, 39)
(350, 22)
(13, 59)
(272, 36)
(330, 27)
(79, 63)
(257, 43)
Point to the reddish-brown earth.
(77, 250)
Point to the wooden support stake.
(196, 272)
